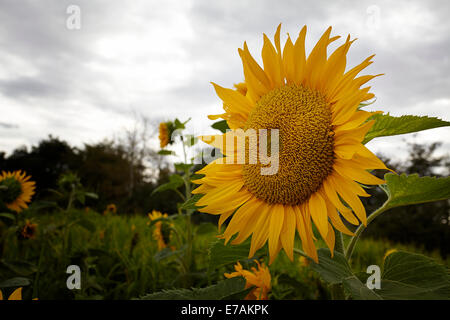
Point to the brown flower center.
(306, 155)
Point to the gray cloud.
(158, 58)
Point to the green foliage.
(405, 190)
(405, 276)
(183, 167)
(222, 126)
(332, 269)
(7, 215)
(224, 290)
(387, 125)
(166, 152)
(15, 282)
(413, 276)
(190, 204)
(175, 181)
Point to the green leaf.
(9, 216)
(358, 290)
(405, 276)
(196, 176)
(405, 190)
(175, 181)
(222, 126)
(224, 290)
(190, 140)
(15, 282)
(166, 153)
(167, 252)
(413, 276)
(190, 203)
(87, 224)
(183, 166)
(336, 270)
(221, 254)
(332, 269)
(19, 267)
(206, 228)
(387, 125)
(91, 195)
(80, 197)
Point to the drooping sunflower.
(19, 190)
(258, 277)
(29, 230)
(315, 104)
(163, 135)
(110, 208)
(161, 233)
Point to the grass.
(119, 259)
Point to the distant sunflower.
(163, 135)
(19, 190)
(161, 233)
(257, 277)
(315, 105)
(110, 208)
(29, 230)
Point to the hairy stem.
(361, 228)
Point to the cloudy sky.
(156, 58)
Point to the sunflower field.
(273, 207)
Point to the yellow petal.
(271, 63)
(16, 295)
(288, 232)
(333, 197)
(233, 99)
(318, 210)
(300, 57)
(276, 224)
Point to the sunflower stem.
(361, 228)
(38, 272)
(301, 252)
(339, 242)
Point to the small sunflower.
(161, 233)
(16, 295)
(19, 190)
(258, 277)
(110, 208)
(29, 230)
(315, 104)
(163, 135)
(304, 262)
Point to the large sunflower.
(314, 103)
(19, 190)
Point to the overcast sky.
(157, 58)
